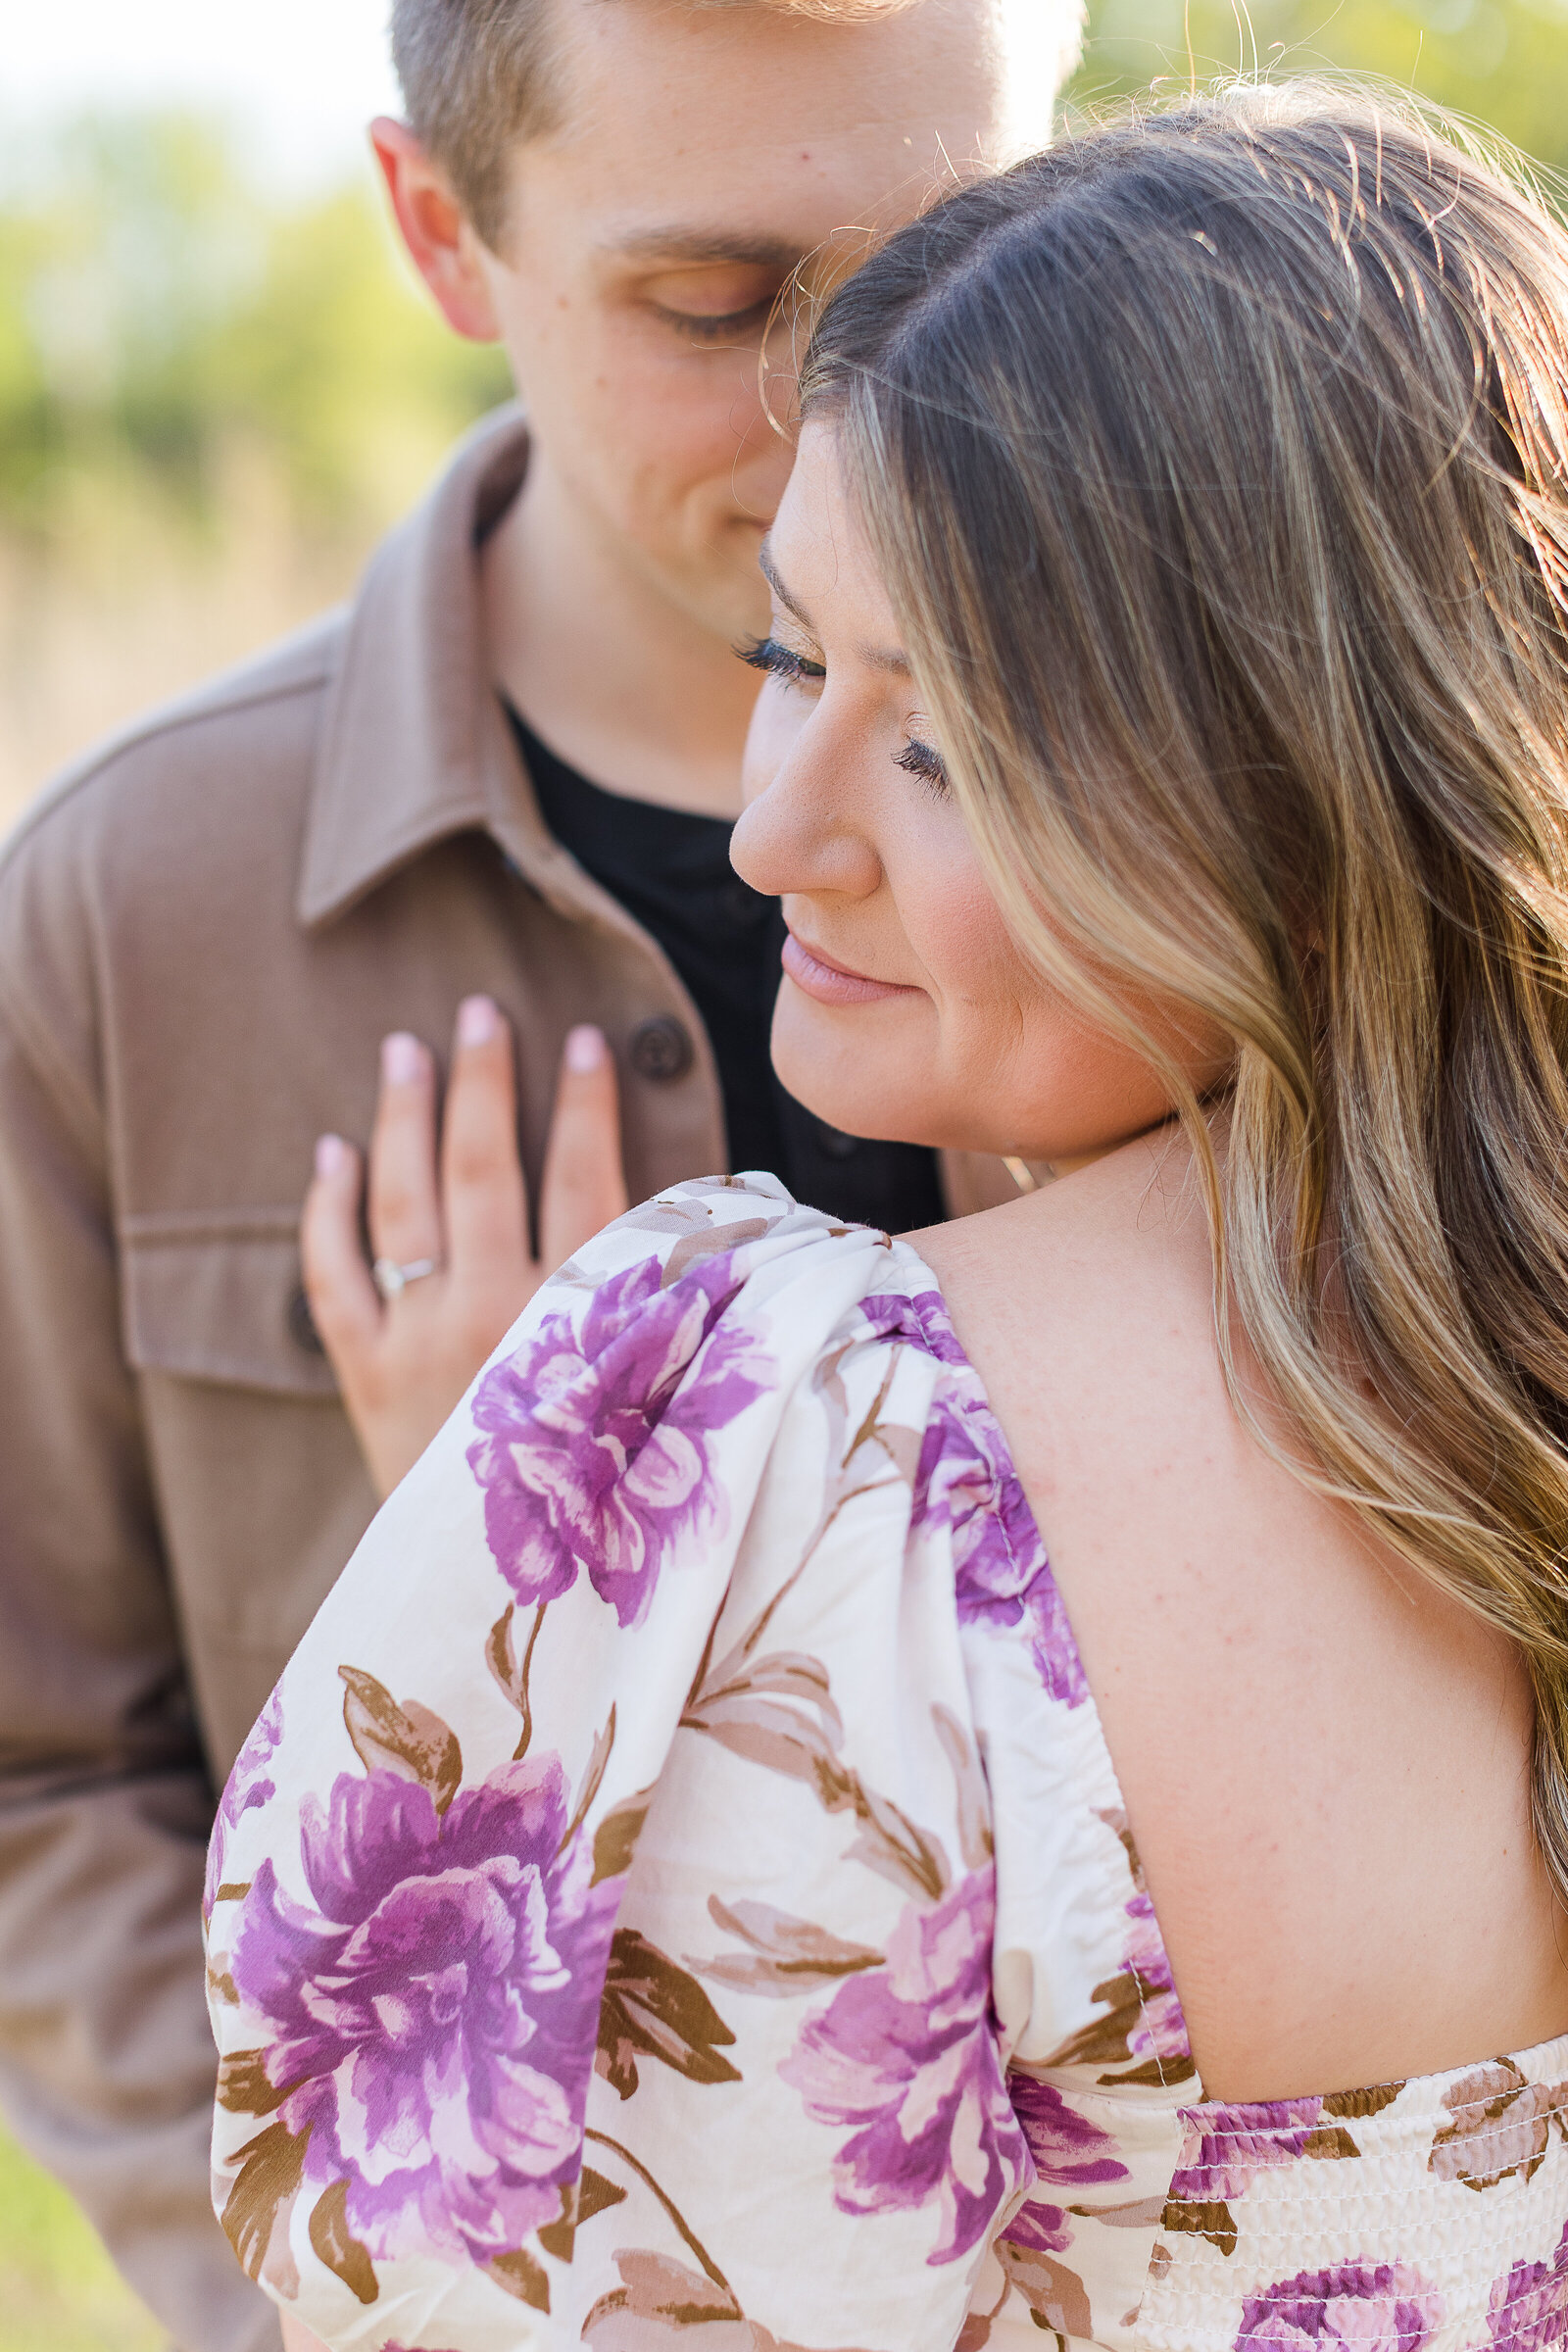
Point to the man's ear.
(442, 243)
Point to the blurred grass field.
(58, 2289)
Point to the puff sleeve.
(600, 1916)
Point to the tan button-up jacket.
(204, 932)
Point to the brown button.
(302, 1323)
(661, 1048)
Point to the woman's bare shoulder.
(1324, 1760)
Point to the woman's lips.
(831, 983)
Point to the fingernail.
(401, 1057)
(330, 1153)
(585, 1049)
(477, 1022)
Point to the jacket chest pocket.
(218, 1298)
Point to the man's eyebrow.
(679, 243)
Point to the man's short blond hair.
(479, 74)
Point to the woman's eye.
(778, 660)
(919, 760)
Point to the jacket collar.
(415, 744)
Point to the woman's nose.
(803, 834)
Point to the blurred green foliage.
(157, 314)
(58, 2290)
(1504, 62)
(160, 317)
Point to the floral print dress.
(678, 1899)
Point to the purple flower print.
(1160, 2028)
(1068, 2151)
(907, 2055)
(1387, 2307)
(246, 1788)
(965, 1482)
(593, 1448)
(1225, 2148)
(1528, 2311)
(433, 2019)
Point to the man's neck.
(621, 682)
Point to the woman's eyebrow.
(775, 579)
(875, 657)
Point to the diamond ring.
(390, 1278)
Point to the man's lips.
(834, 983)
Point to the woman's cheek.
(956, 927)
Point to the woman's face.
(907, 1011)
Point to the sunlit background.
(218, 385)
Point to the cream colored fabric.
(680, 1890)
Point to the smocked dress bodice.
(679, 1894)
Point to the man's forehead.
(773, 71)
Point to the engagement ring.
(390, 1278)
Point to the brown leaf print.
(513, 1673)
(222, 1985)
(896, 1439)
(1143, 2213)
(975, 1842)
(790, 1674)
(1212, 2222)
(257, 2208)
(659, 2298)
(1499, 2127)
(711, 1243)
(654, 2008)
(792, 1955)
(1058, 2300)
(1371, 2100)
(1157, 2073)
(335, 2244)
(409, 1740)
(592, 1779)
(1104, 2039)
(244, 2087)
(664, 2295)
(589, 2194)
(616, 1838)
(519, 2274)
(1331, 2140)
(749, 1710)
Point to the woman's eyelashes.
(779, 661)
(776, 659)
(919, 760)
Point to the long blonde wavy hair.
(1215, 461)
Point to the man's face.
(704, 154)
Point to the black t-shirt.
(670, 869)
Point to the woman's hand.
(403, 1360)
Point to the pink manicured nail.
(400, 1059)
(585, 1049)
(477, 1022)
(331, 1154)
